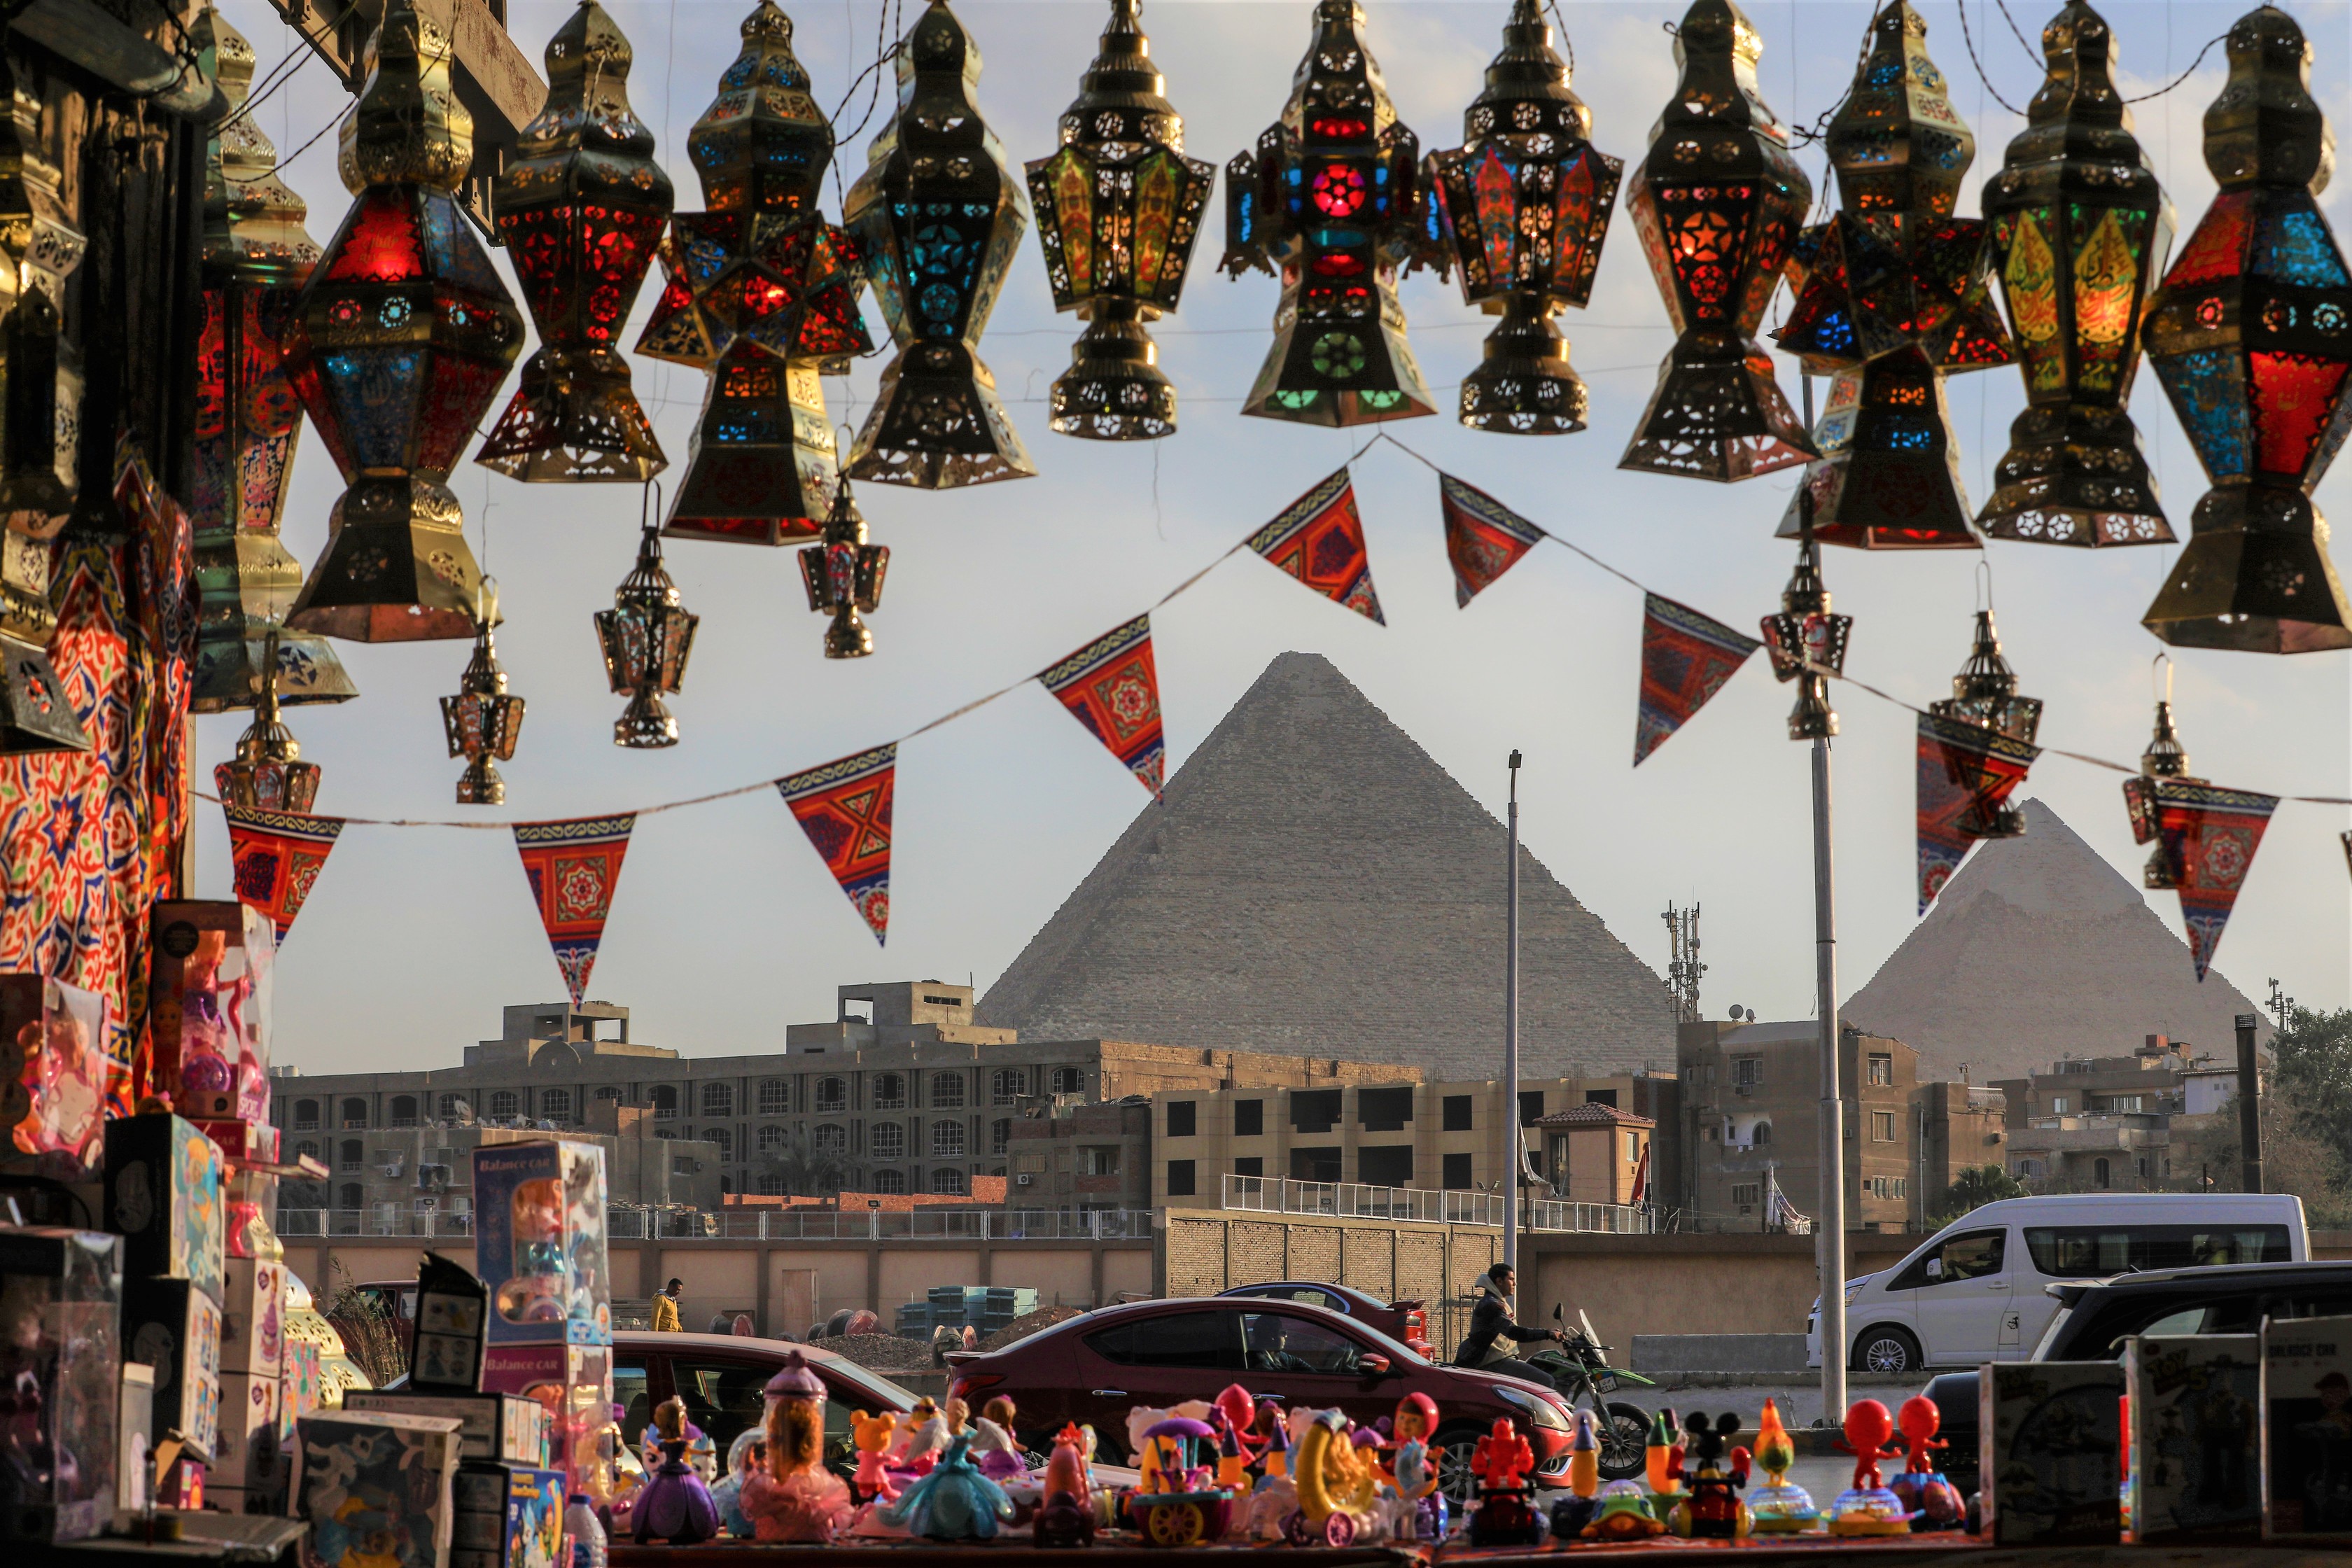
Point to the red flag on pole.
(845, 808)
(1112, 688)
(2206, 838)
(573, 866)
(1483, 538)
(275, 857)
(1320, 539)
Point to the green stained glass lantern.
(2252, 336)
(483, 721)
(1524, 203)
(844, 575)
(939, 213)
(1118, 210)
(1330, 201)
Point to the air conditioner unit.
(1024, 1180)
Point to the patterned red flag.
(1966, 772)
(1320, 539)
(845, 809)
(1483, 538)
(1686, 660)
(1111, 687)
(2206, 838)
(573, 866)
(275, 857)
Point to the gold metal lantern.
(844, 575)
(646, 637)
(483, 721)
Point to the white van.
(1974, 1291)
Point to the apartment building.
(2144, 1122)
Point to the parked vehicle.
(719, 1377)
(1406, 1321)
(1974, 1291)
(2092, 1318)
(1095, 1367)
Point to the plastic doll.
(923, 1437)
(1275, 1497)
(676, 1506)
(1935, 1503)
(954, 1502)
(871, 1436)
(1623, 1514)
(748, 1450)
(1412, 1470)
(1066, 1514)
(796, 1498)
(1711, 1508)
(1868, 1508)
(1780, 1507)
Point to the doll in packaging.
(796, 1498)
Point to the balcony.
(1424, 1206)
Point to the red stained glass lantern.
(844, 575)
(1984, 695)
(2252, 336)
(2080, 228)
(483, 721)
(1331, 202)
(646, 636)
(1716, 201)
(1118, 210)
(401, 340)
(1524, 203)
(579, 208)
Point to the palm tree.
(803, 1173)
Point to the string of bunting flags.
(2205, 835)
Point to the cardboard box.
(253, 1319)
(2048, 1452)
(375, 1489)
(498, 1427)
(507, 1516)
(163, 1197)
(539, 1216)
(59, 1340)
(209, 1007)
(53, 1073)
(245, 1455)
(573, 1382)
(2307, 1430)
(135, 1438)
(177, 1329)
(244, 1141)
(301, 1384)
(2193, 1439)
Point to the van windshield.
(2094, 1251)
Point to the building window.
(504, 1103)
(2099, 1172)
(1007, 1084)
(772, 1184)
(889, 1093)
(724, 1139)
(1760, 1136)
(1634, 1141)
(1315, 1165)
(1069, 1080)
(947, 1179)
(1457, 1169)
(308, 1146)
(889, 1143)
(999, 1135)
(1098, 1160)
(404, 1110)
(1454, 1114)
(1882, 1126)
(889, 1181)
(349, 1196)
(1180, 1178)
(1901, 1186)
(555, 1104)
(1182, 1117)
(1748, 1072)
(664, 1098)
(1249, 1165)
(306, 1114)
(769, 1139)
(1530, 1107)
(355, 1113)
(350, 1157)
(2028, 1168)
(1746, 1194)
(685, 1165)
(947, 1090)
(610, 1091)
(1384, 1110)
(1314, 1110)
(1384, 1164)
(1249, 1118)
(1882, 1069)
(2057, 1105)
(947, 1140)
(832, 1141)
(1607, 1097)
(718, 1099)
(776, 1097)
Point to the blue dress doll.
(956, 1501)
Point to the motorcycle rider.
(1491, 1323)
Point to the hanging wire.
(1566, 42)
(2018, 33)
(890, 37)
(1962, 7)
(279, 75)
(2184, 76)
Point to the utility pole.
(2250, 1105)
(1513, 1148)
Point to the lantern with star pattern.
(483, 721)
(646, 636)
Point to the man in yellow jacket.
(665, 1319)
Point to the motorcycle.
(1579, 1367)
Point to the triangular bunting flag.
(1966, 772)
(275, 856)
(1112, 688)
(573, 866)
(845, 809)
(1686, 660)
(1483, 538)
(1320, 539)
(2206, 838)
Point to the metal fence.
(940, 1224)
(1424, 1206)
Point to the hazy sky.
(726, 927)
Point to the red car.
(1093, 1368)
(1406, 1321)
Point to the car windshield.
(885, 1393)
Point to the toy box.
(53, 1071)
(246, 1475)
(210, 1008)
(572, 1384)
(176, 1328)
(134, 1437)
(2307, 1430)
(508, 1516)
(539, 1212)
(496, 1427)
(253, 1319)
(163, 1196)
(452, 1307)
(245, 1143)
(61, 1357)
(302, 1383)
(2192, 1438)
(375, 1489)
(2049, 1448)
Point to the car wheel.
(1456, 1446)
(1887, 1350)
(1625, 1437)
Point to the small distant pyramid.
(2036, 950)
(1316, 885)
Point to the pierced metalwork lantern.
(939, 213)
(1716, 201)
(1331, 202)
(401, 337)
(2080, 228)
(2252, 336)
(1807, 644)
(269, 773)
(1525, 203)
(1118, 210)
(844, 575)
(580, 207)
(257, 256)
(1984, 694)
(646, 636)
(2166, 758)
(761, 293)
(1893, 294)
(483, 722)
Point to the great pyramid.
(2038, 949)
(1316, 885)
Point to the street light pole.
(1512, 1148)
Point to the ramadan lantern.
(1331, 202)
(1895, 292)
(1984, 742)
(939, 213)
(2080, 228)
(1807, 644)
(646, 636)
(268, 773)
(580, 207)
(1524, 203)
(1119, 209)
(2252, 336)
(844, 575)
(400, 341)
(1716, 201)
(483, 722)
(763, 294)
(257, 256)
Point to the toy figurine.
(872, 1436)
(996, 1450)
(923, 1437)
(1711, 1508)
(1574, 1512)
(1233, 1454)
(1935, 1503)
(952, 1501)
(748, 1450)
(1275, 1497)
(1868, 1508)
(1412, 1470)
(675, 1506)
(1659, 1460)
(1501, 1462)
(1339, 1489)
(796, 1498)
(1176, 1504)
(1066, 1514)
(1241, 1412)
(1623, 1514)
(1780, 1507)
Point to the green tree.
(1976, 1186)
(2306, 1117)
